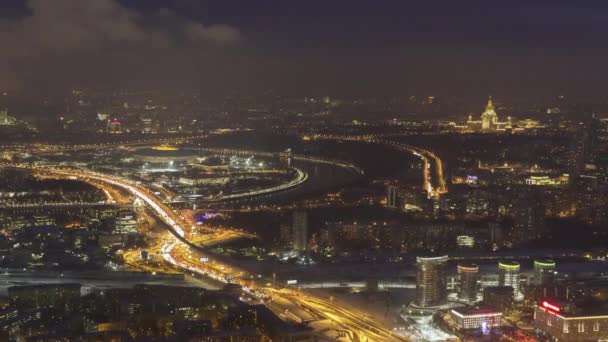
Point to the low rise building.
(498, 297)
(204, 181)
(572, 322)
(469, 318)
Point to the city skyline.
(349, 171)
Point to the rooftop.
(590, 307)
(160, 151)
(475, 311)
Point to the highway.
(307, 158)
(51, 204)
(178, 250)
(433, 177)
(300, 178)
(48, 148)
(8, 279)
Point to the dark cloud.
(294, 46)
(88, 29)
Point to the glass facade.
(431, 281)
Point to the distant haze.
(336, 47)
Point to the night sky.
(341, 47)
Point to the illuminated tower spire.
(489, 119)
(490, 105)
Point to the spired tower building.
(5, 119)
(488, 122)
(489, 118)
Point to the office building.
(476, 318)
(544, 272)
(498, 297)
(126, 222)
(113, 126)
(528, 216)
(468, 275)
(431, 281)
(392, 197)
(285, 235)
(508, 275)
(572, 322)
(63, 296)
(465, 241)
(5, 119)
(300, 231)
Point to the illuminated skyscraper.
(300, 231)
(585, 138)
(489, 121)
(5, 119)
(489, 118)
(508, 275)
(286, 236)
(392, 198)
(113, 127)
(528, 215)
(126, 222)
(467, 278)
(544, 272)
(103, 116)
(146, 125)
(431, 281)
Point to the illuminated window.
(596, 326)
(581, 327)
(566, 326)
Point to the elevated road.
(49, 148)
(300, 178)
(53, 205)
(433, 177)
(177, 249)
(299, 157)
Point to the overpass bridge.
(177, 249)
(300, 157)
(35, 208)
(433, 177)
(381, 284)
(50, 148)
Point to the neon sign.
(550, 306)
(208, 215)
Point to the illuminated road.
(176, 249)
(282, 301)
(433, 177)
(47, 148)
(363, 327)
(313, 159)
(300, 178)
(434, 182)
(52, 205)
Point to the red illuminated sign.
(550, 306)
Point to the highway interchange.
(179, 248)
